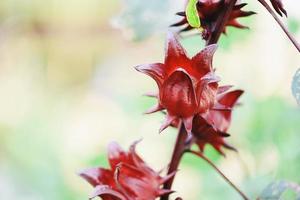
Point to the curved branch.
(221, 173)
(178, 151)
(290, 36)
(221, 22)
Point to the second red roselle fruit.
(187, 86)
(211, 127)
(129, 177)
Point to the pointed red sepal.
(96, 176)
(220, 107)
(168, 177)
(137, 160)
(237, 12)
(188, 124)
(168, 121)
(225, 88)
(202, 62)
(175, 53)
(201, 146)
(116, 155)
(163, 192)
(210, 78)
(206, 91)
(181, 14)
(154, 109)
(228, 146)
(230, 99)
(186, 28)
(151, 94)
(180, 23)
(240, 6)
(278, 6)
(223, 134)
(236, 24)
(220, 151)
(106, 192)
(155, 71)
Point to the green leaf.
(275, 190)
(192, 14)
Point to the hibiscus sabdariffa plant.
(190, 94)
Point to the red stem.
(221, 173)
(221, 22)
(180, 147)
(290, 36)
(178, 151)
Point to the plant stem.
(180, 148)
(178, 151)
(290, 36)
(221, 173)
(221, 22)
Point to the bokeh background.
(68, 88)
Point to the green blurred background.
(68, 88)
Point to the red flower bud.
(209, 12)
(129, 178)
(187, 86)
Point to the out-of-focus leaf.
(192, 14)
(140, 19)
(296, 86)
(293, 25)
(275, 190)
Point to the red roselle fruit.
(209, 11)
(211, 127)
(129, 177)
(187, 86)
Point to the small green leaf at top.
(192, 14)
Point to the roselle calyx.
(129, 177)
(187, 86)
(211, 127)
(209, 11)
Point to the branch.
(221, 22)
(269, 9)
(180, 146)
(221, 173)
(178, 151)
